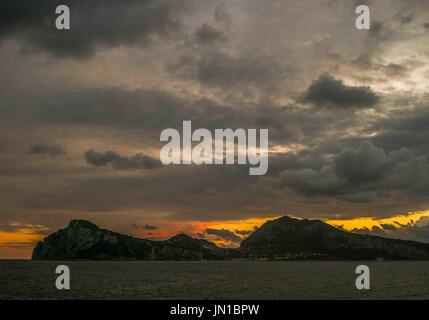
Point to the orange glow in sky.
(370, 222)
(19, 242)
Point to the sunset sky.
(81, 112)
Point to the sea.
(261, 280)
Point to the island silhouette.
(284, 238)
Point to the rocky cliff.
(84, 240)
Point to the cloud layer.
(81, 111)
(94, 24)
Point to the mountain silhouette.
(299, 239)
(280, 239)
(85, 240)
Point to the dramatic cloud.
(152, 111)
(129, 69)
(138, 161)
(407, 127)
(367, 163)
(50, 150)
(93, 23)
(113, 107)
(329, 92)
(357, 173)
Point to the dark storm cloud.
(153, 111)
(313, 159)
(360, 197)
(113, 107)
(178, 191)
(415, 120)
(329, 92)
(93, 23)
(367, 163)
(137, 161)
(206, 34)
(44, 149)
(408, 127)
(211, 86)
(224, 234)
(355, 174)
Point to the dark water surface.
(213, 280)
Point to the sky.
(81, 112)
